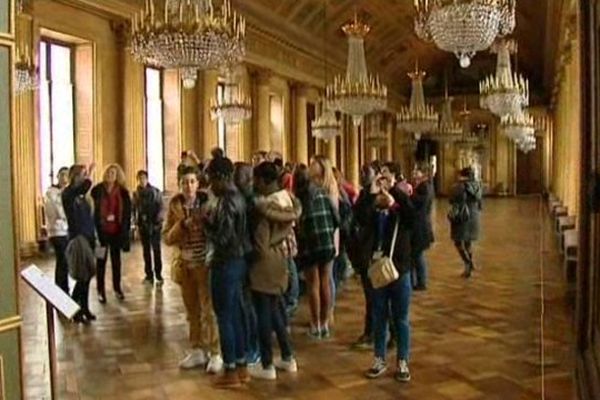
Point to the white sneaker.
(259, 372)
(194, 359)
(287, 366)
(215, 364)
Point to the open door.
(529, 170)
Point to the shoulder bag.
(382, 271)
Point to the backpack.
(459, 213)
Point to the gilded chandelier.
(448, 130)
(189, 35)
(464, 27)
(358, 93)
(26, 73)
(234, 107)
(504, 93)
(418, 118)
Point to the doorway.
(530, 170)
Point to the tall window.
(57, 138)
(155, 154)
(221, 126)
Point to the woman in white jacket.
(58, 228)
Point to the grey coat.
(468, 192)
(80, 259)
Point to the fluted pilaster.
(263, 107)
(209, 127)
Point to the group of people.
(242, 235)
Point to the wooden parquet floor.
(480, 339)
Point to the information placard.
(45, 287)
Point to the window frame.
(49, 42)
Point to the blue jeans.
(419, 270)
(227, 282)
(397, 295)
(250, 327)
(293, 293)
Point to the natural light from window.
(155, 157)
(57, 141)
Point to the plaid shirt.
(316, 231)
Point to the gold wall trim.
(8, 324)
(2, 383)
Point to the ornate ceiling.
(392, 47)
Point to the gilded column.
(332, 151)
(389, 131)
(172, 126)
(133, 157)
(190, 118)
(263, 114)
(301, 124)
(209, 127)
(28, 197)
(352, 151)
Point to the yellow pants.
(195, 290)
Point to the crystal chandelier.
(190, 36)
(418, 118)
(504, 93)
(526, 143)
(358, 93)
(326, 127)
(233, 107)
(464, 27)
(448, 130)
(376, 136)
(26, 73)
(517, 127)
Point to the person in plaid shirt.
(316, 248)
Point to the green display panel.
(4, 16)
(10, 374)
(8, 291)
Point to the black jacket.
(366, 215)
(78, 210)
(98, 193)
(422, 200)
(148, 209)
(226, 229)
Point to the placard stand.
(54, 298)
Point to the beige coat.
(276, 215)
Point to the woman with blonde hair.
(112, 217)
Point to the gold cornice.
(10, 323)
(104, 8)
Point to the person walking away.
(112, 217)
(148, 211)
(81, 224)
(393, 238)
(58, 228)
(276, 213)
(184, 231)
(228, 246)
(316, 248)
(422, 238)
(466, 203)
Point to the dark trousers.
(250, 327)
(271, 318)
(227, 282)
(419, 270)
(114, 249)
(368, 293)
(292, 295)
(81, 295)
(151, 247)
(61, 273)
(464, 250)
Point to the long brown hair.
(120, 175)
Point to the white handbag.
(382, 271)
